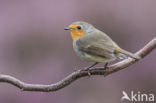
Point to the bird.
(93, 45)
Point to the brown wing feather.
(96, 45)
(97, 49)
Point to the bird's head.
(79, 29)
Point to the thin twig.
(78, 74)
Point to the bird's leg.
(89, 68)
(105, 66)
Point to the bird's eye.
(79, 27)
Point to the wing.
(97, 45)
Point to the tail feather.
(121, 51)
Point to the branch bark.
(78, 74)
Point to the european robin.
(93, 45)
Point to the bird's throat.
(75, 35)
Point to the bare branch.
(78, 74)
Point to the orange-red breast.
(93, 45)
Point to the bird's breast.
(76, 48)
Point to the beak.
(66, 28)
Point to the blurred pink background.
(35, 49)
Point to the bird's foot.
(88, 69)
(106, 68)
(89, 74)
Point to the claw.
(89, 74)
(106, 72)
